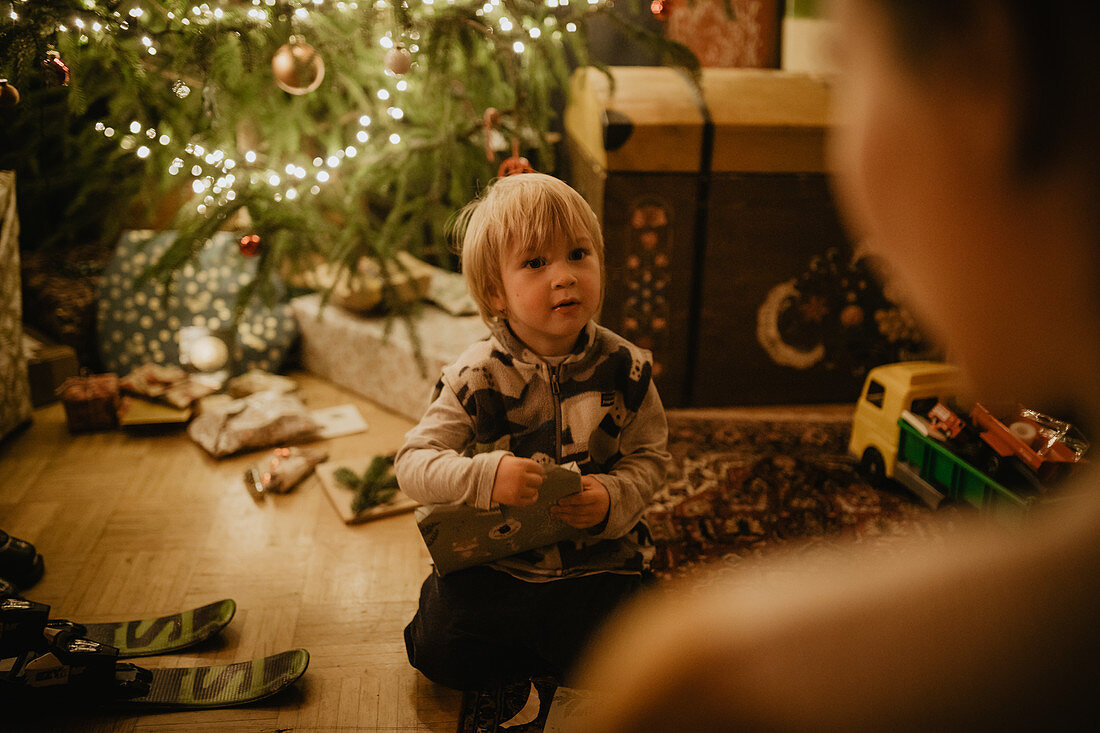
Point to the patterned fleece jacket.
(598, 408)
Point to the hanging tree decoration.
(490, 121)
(9, 95)
(661, 9)
(398, 60)
(298, 67)
(57, 72)
(515, 164)
(250, 245)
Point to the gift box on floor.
(91, 402)
(376, 357)
(48, 365)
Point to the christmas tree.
(324, 130)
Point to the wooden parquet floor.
(138, 524)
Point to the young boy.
(967, 154)
(548, 387)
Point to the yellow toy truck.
(892, 440)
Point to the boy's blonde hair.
(528, 211)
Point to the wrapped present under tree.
(91, 401)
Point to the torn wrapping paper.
(257, 380)
(257, 421)
(169, 384)
(460, 536)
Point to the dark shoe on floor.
(8, 590)
(20, 563)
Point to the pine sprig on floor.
(376, 486)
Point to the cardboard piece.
(341, 496)
(338, 421)
(460, 536)
(137, 412)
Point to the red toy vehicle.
(1047, 446)
(941, 418)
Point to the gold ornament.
(9, 95)
(398, 60)
(297, 66)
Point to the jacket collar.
(511, 343)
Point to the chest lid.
(654, 119)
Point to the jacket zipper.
(555, 391)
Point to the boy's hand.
(586, 509)
(517, 481)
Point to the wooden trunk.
(713, 202)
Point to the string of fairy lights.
(215, 173)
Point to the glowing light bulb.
(208, 353)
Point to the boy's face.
(549, 295)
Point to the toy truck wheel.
(873, 467)
(991, 462)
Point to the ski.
(224, 685)
(43, 661)
(162, 634)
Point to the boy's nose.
(564, 277)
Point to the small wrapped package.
(169, 384)
(257, 380)
(287, 467)
(91, 402)
(257, 421)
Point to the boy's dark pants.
(479, 627)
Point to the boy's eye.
(535, 262)
(578, 253)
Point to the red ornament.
(661, 9)
(57, 73)
(515, 164)
(250, 245)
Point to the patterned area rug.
(484, 710)
(745, 487)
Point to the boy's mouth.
(565, 304)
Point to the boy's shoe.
(20, 563)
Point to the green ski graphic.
(44, 662)
(186, 688)
(163, 634)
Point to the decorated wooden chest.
(725, 255)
